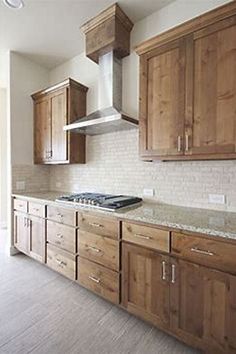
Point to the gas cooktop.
(101, 201)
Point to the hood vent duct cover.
(109, 116)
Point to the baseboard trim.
(13, 251)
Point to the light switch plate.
(20, 185)
(216, 198)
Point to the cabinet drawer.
(21, 205)
(99, 249)
(62, 215)
(37, 209)
(99, 225)
(99, 279)
(61, 261)
(62, 235)
(146, 236)
(213, 253)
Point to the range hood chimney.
(111, 30)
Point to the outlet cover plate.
(216, 198)
(148, 192)
(20, 185)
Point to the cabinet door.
(58, 106)
(162, 100)
(42, 131)
(203, 307)
(37, 238)
(145, 287)
(211, 129)
(21, 232)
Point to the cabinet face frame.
(164, 53)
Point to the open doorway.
(4, 246)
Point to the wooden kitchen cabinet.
(188, 90)
(203, 307)
(21, 232)
(55, 107)
(37, 238)
(29, 235)
(211, 126)
(162, 100)
(145, 284)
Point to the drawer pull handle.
(143, 236)
(163, 276)
(172, 273)
(95, 224)
(206, 253)
(94, 249)
(61, 263)
(60, 215)
(35, 209)
(96, 280)
(59, 235)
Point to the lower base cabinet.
(29, 235)
(203, 307)
(99, 279)
(195, 303)
(145, 285)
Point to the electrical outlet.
(148, 192)
(20, 185)
(216, 198)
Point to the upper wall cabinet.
(55, 107)
(188, 90)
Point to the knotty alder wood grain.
(103, 226)
(212, 253)
(62, 215)
(214, 116)
(61, 261)
(59, 119)
(162, 100)
(145, 287)
(188, 91)
(36, 235)
(100, 280)
(55, 107)
(62, 236)
(203, 307)
(100, 249)
(146, 236)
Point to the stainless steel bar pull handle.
(198, 250)
(172, 273)
(94, 249)
(179, 147)
(163, 270)
(96, 280)
(95, 224)
(186, 142)
(143, 236)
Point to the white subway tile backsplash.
(113, 166)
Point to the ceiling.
(48, 31)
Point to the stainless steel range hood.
(109, 117)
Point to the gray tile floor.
(42, 312)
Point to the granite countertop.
(204, 221)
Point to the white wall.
(26, 78)
(3, 157)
